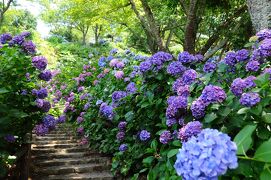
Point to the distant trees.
(4, 6)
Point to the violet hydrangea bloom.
(175, 68)
(122, 125)
(118, 95)
(183, 91)
(49, 121)
(19, 40)
(242, 55)
(170, 122)
(107, 111)
(41, 93)
(249, 82)
(189, 76)
(10, 138)
(62, 118)
(237, 87)
(165, 137)
(250, 99)
(263, 34)
(46, 106)
(39, 62)
(79, 120)
(145, 66)
(131, 88)
(45, 75)
(29, 47)
(189, 130)
(120, 136)
(144, 135)
(4, 38)
(178, 83)
(123, 147)
(206, 156)
(160, 57)
(199, 57)
(80, 131)
(209, 67)
(230, 59)
(253, 66)
(119, 74)
(185, 57)
(267, 71)
(213, 94)
(265, 48)
(198, 108)
(41, 130)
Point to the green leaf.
(154, 144)
(267, 117)
(177, 143)
(225, 112)
(3, 90)
(266, 174)
(262, 80)
(243, 139)
(210, 117)
(148, 160)
(263, 152)
(172, 153)
(243, 110)
(129, 115)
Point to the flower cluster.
(131, 88)
(165, 137)
(250, 99)
(144, 135)
(185, 57)
(123, 147)
(175, 68)
(106, 111)
(189, 130)
(209, 67)
(206, 156)
(45, 75)
(239, 85)
(118, 95)
(253, 66)
(119, 74)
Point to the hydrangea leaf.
(243, 139)
(263, 152)
(267, 117)
(172, 153)
(210, 117)
(266, 174)
(243, 110)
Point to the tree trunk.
(260, 13)
(84, 38)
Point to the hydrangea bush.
(170, 116)
(23, 96)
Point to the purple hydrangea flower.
(249, 82)
(199, 57)
(160, 57)
(175, 68)
(24, 92)
(19, 40)
(242, 55)
(120, 65)
(118, 95)
(106, 111)
(113, 62)
(80, 130)
(61, 118)
(81, 88)
(171, 111)
(46, 106)
(99, 102)
(4, 38)
(45, 75)
(183, 91)
(119, 74)
(165, 137)
(79, 119)
(39, 62)
(179, 102)
(265, 48)
(253, 66)
(250, 99)
(123, 148)
(178, 83)
(170, 122)
(29, 47)
(25, 34)
(10, 138)
(41, 130)
(86, 106)
(41, 93)
(198, 108)
(264, 34)
(237, 87)
(230, 58)
(213, 94)
(190, 129)
(209, 67)
(144, 135)
(145, 66)
(49, 121)
(185, 57)
(206, 156)
(131, 88)
(267, 71)
(122, 125)
(189, 76)
(102, 61)
(120, 136)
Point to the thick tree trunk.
(260, 12)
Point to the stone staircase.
(58, 155)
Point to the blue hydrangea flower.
(49, 121)
(118, 95)
(41, 93)
(123, 147)
(175, 68)
(206, 156)
(183, 91)
(120, 136)
(189, 130)
(249, 82)
(170, 122)
(264, 34)
(61, 118)
(198, 108)
(165, 137)
(107, 111)
(189, 76)
(242, 55)
(145, 66)
(185, 57)
(230, 59)
(209, 67)
(160, 57)
(131, 88)
(45, 75)
(19, 40)
(122, 125)
(213, 94)
(250, 99)
(265, 48)
(253, 66)
(41, 130)
(4, 38)
(102, 61)
(178, 83)
(144, 135)
(29, 47)
(237, 87)
(10, 138)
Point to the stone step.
(64, 155)
(72, 161)
(53, 146)
(40, 142)
(45, 138)
(81, 176)
(36, 151)
(79, 168)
